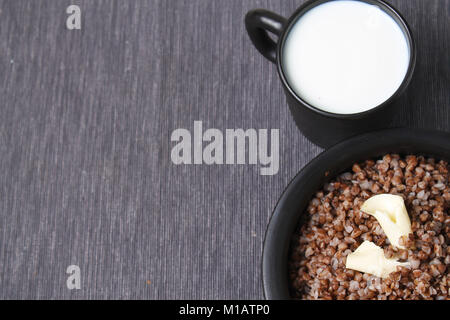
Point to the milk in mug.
(345, 57)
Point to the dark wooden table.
(86, 116)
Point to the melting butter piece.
(390, 211)
(369, 258)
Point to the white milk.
(345, 57)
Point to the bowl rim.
(398, 140)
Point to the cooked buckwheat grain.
(333, 227)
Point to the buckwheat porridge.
(334, 227)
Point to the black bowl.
(325, 167)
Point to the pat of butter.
(390, 211)
(369, 258)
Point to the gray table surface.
(86, 116)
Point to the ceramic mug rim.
(387, 8)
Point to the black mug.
(321, 127)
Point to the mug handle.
(258, 23)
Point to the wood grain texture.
(85, 124)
